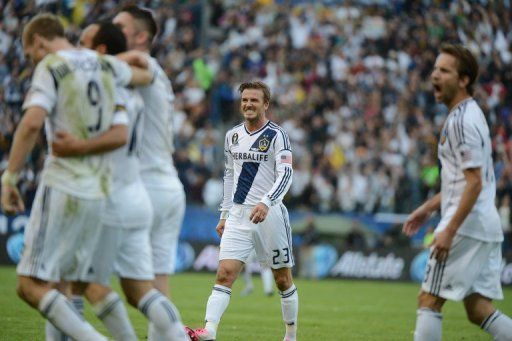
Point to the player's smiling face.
(446, 80)
(252, 105)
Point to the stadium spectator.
(350, 82)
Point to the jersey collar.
(257, 131)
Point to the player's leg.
(235, 247)
(110, 309)
(52, 333)
(429, 317)
(273, 237)
(158, 309)
(481, 312)
(51, 240)
(134, 266)
(289, 301)
(486, 287)
(219, 298)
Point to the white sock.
(58, 310)
(290, 309)
(428, 325)
(52, 333)
(163, 314)
(268, 280)
(499, 326)
(78, 303)
(112, 312)
(216, 306)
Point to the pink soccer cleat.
(204, 335)
(191, 334)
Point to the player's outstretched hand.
(220, 227)
(441, 245)
(12, 202)
(65, 145)
(259, 213)
(415, 220)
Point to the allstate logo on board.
(418, 265)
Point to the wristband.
(224, 214)
(9, 179)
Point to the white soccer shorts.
(169, 211)
(124, 246)
(271, 239)
(472, 266)
(60, 236)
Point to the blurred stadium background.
(350, 85)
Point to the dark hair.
(46, 25)
(146, 17)
(110, 35)
(466, 63)
(256, 85)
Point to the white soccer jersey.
(157, 147)
(465, 143)
(77, 89)
(125, 160)
(258, 166)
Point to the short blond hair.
(46, 25)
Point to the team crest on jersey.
(263, 144)
(234, 138)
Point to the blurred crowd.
(350, 85)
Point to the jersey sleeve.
(122, 71)
(284, 170)
(469, 141)
(229, 178)
(42, 92)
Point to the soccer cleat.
(191, 334)
(204, 335)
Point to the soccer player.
(157, 146)
(258, 174)
(465, 256)
(73, 90)
(126, 222)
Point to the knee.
(226, 277)
(21, 290)
(434, 303)
(283, 282)
(475, 316)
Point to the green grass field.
(329, 310)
